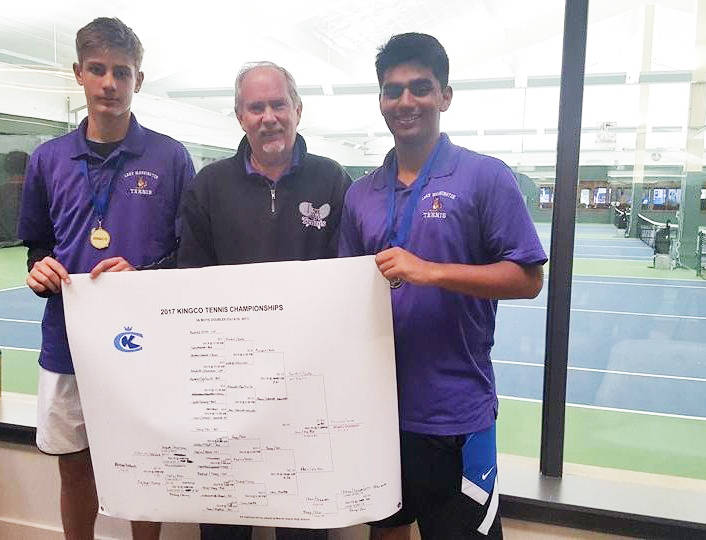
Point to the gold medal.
(100, 238)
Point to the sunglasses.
(418, 88)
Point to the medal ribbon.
(102, 193)
(399, 237)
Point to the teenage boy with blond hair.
(103, 198)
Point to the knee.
(401, 532)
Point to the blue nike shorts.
(449, 486)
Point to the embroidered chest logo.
(141, 182)
(312, 216)
(435, 203)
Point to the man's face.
(411, 101)
(109, 79)
(267, 114)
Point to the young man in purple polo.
(103, 198)
(451, 232)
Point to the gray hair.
(247, 68)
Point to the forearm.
(501, 280)
(36, 253)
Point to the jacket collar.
(244, 151)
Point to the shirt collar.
(444, 165)
(133, 143)
(297, 154)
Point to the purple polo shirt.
(470, 212)
(57, 211)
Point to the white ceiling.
(194, 51)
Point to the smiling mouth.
(407, 120)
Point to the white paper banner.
(260, 394)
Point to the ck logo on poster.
(128, 341)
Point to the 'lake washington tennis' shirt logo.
(141, 182)
(314, 217)
(128, 341)
(436, 208)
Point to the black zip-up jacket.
(230, 217)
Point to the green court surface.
(18, 368)
(19, 371)
(13, 267)
(658, 444)
(614, 439)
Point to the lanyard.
(102, 193)
(399, 237)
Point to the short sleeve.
(185, 173)
(343, 182)
(350, 243)
(508, 231)
(35, 226)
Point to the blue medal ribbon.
(399, 237)
(102, 193)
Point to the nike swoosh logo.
(484, 476)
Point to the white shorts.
(60, 425)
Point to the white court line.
(8, 348)
(643, 248)
(618, 259)
(20, 397)
(604, 257)
(610, 371)
(703, 288)
(20, 321)
(14, 288)
(611, 409)
(641, 277)
(695, 317)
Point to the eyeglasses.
(418, 88)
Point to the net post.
(700, 253)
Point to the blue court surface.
(636, 343)
(601, 242)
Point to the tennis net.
(620, 217)
(659, 236)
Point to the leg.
(459, 519)
(145, 530)
(398, 525)
(461, 491)
(210, 531)
(79, 502)
(390, 533)
(61, 431)
(496, 529)
(283, 533)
